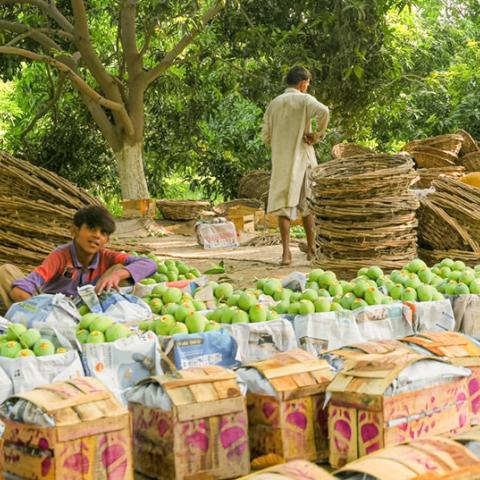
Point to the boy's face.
(89, 240)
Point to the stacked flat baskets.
(365, 213)
(255, 184)
(450, 155)
(449, 222)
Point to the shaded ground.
(243, 264)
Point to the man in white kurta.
(287, 128)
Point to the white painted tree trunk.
(132, 175)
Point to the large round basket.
(428, 175)
(429, 157)
(344, 150)
(449, 143)
(182, 209)
(471, 162)
(469, 144)
(254, 184)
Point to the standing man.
(287, 128)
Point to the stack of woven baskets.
(365, 213)
(255, 185)
(37, 209)
(444, 156)
(449, 222)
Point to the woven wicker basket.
(469, 144)
(471, 162)
(345, 150)
(429, 157)
(434, 256)
(428, 175)
(449, 143)
(255, 184)
(182, 209)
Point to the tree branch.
(183, 43)
(84, 45)
(46, 108)
(148, 38)
(47, 9)
(78, 82)
(128, 33)
(38, 35)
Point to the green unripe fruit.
(29, 337)
(10, 349)
(425, 293)
(426, 276)
(44, 348)
(373, 296)
(314, 275)
(14, 331)
(358, 303)
(116, 331)
(461, 289)
(246, 301)
(409, 295)
(26, 352)
(306, 307)
(258, 313)
(323, 304)
(294, 308)
(396, 291)
(94, 337)
(196, 322)
(178, 328)
(240, 316)
(310, 295)
(374, 273)
(223, 291)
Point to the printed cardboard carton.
(459, 350)
(291, 423)
(90, 440)
(201, 432)
(295, 470)
(366, 413)
(432, 458)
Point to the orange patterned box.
(199, 430)
(289, 421)
(365, 413)
(91, 438)
(460, 350)
(425, 459)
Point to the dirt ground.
(242, 265)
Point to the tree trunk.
(132, 175)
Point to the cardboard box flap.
(74, 401)
(197, 385)
(472, 435)
(416, 459)
(374, 372)
(380, 347)
(295, 370)
(294, 470)
(446, 344)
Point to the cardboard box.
(460, 350)
(91, 439)
(362, 418)
(145, 207)
(295, 470)
(426, 459)
(292, 423)
(203, 435)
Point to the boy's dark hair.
(296, 75)
(95, 217)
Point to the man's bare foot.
(286, 259)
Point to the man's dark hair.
(296, 75)
(95, 217)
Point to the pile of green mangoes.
(95, 328)
(19, 341)
(170, 271)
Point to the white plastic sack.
(6, 386)
(121, 364)
(57, 311)
(259, 341)
(433, 316)
(318, 332)
(217, 235)
(466, 309)
(27, 373)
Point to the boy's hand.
(112, 280)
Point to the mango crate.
(294, 470)
(289, 420)
(459, 350)
(433, 458)
(367, 413)
(197, 429)
(91, 438)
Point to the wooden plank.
(304, 379)
(283, 383)
(203, 392)
(194, 411)
(181, 396)
(94, 427)
(226, 389)
(170, 383)
(294, 368)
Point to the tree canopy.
(389, 70)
